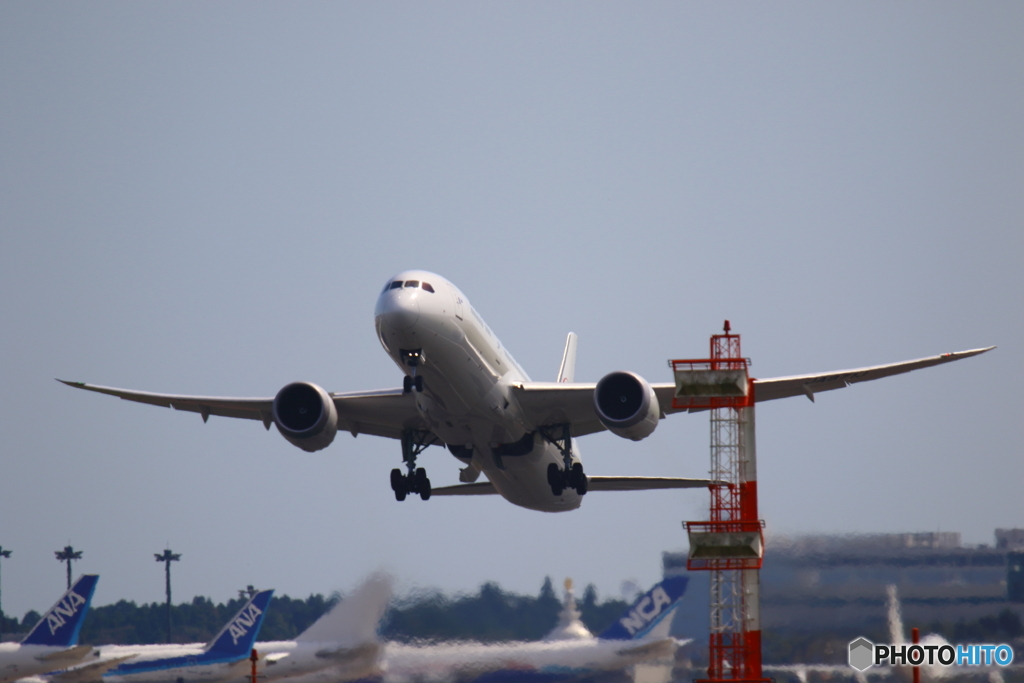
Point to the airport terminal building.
(819, 581)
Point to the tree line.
(489, 615)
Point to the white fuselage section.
(19, 661)
(467, 399)
(445, 662)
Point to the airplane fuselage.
(467, 399)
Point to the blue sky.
(205, 198)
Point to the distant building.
(1010, 539)
(815, 581)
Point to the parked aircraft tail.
(354, 620)
(237, 637)
(649, 610)
(61, 624)
(893, 617)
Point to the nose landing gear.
(412, 358)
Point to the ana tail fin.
(61, 624)
(354, 620)
(893, 616)
(567, 370)
(238, 636)
(648, 611)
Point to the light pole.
(167, 557)
(3, 554)
(67, 555)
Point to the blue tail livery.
(237, 637)
(648, 610)
(61, 624)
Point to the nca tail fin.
(648, 611)
(567, 370)
(893, 615)
(237, 637)
(61, 624)
(354, 620)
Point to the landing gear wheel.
(407, 384)
(421, 478)
(397, 480)
(577, 479)
(419, 383)
(424, 489)
(556, 479)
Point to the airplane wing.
(384, 412)
(485, 488)
(552, 403)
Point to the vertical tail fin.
(238, 636)
(648, 611)
(567, 370)
(61, 624)
(893, 615)
(354, 620)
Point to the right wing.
(552, 403)
(384, 412)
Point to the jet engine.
(305, 415)
(626, 404)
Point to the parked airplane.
(225, 657)
(462, 389)
(637, 641)
(343, 640)
(53, 642)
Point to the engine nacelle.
(305, 415)
(627, 405)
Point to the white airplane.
(462, 389)
(343, 640)
(637, 644)
(53, 642)
(225, 657)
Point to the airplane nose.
(399, 309)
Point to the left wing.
(485, 488)
(384, 412)
(552, 403)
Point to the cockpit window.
(412, 283)
(426, 286)
(396, 284)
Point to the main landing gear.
(412, 358)
(414, 441)
(570, 475)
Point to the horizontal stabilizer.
(483, 488)
(486, 488)
(72, 654)
(644, 483)
(90, 673)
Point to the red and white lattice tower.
(730, 544)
